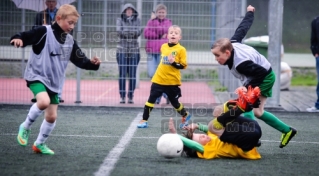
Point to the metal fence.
(202, 22)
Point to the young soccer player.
(252, 68)
(238, 138)
(167, 77)
(52, 48)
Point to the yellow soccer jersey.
(218, 149)
(166, 74)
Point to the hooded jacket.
(128, 30)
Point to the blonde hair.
(160, 7)
(223, 44)
(67, 10)
(175, 26)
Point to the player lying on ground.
(242, 135)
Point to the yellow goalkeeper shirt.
(218, 149)
(167, 74)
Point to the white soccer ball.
(170, 145)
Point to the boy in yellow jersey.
(238, 137)
(167, 77)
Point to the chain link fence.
(201, 21)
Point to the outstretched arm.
(192, 144)
(187, 142)
(244, 26)
(79, 59)
(197, 126)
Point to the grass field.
(105, 141)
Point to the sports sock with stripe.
(33, 114)
(147, 110)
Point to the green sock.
(249, 115)
(274, 122)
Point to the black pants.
(173, 93)
(242, 132)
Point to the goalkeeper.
(227, 136)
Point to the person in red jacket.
(155, 33)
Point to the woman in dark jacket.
(128, 28)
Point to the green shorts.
(267, 84)
(38, 87)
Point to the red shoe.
(252, 94)
(242, 101)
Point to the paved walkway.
(105, 93)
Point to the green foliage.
(304, 77)
(217, 87)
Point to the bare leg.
(171, 126)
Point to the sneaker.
(42, 148)
(122, 101)
(249, 97)
(252, 94)
(142, 124)
(242, 101)
(286, 137)
(312, 109)
(185, 120)
(130, 101)
(23, 135)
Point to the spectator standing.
(128, 28)
(314, 41)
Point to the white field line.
(111, 159)
(151, 137)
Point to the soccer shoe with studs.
(253, 94)
(286, 137)
(142, 124)
(185, 120)
(42, 148)
(242, 101)
(23, 135)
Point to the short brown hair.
(160, 7)
(67, 10)
(223, 44)
(188, 151)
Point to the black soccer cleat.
(286, 137)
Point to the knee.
(51, 117)
(43, 103)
